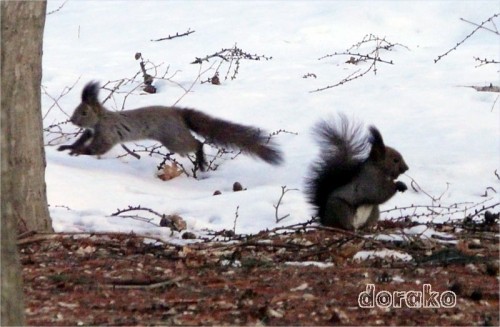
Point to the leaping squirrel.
(346, 186)
(171, 126)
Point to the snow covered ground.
(447, 133)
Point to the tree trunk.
(23, 156)
(24, 199)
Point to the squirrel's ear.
(90, 93)
(378, 148)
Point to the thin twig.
(485, 28)
(485, 61)
(362, 57)
(372, 56)
(200, 73)
(132, 208)
(135, 155)
(138, 284)
(64, 92)
(236, 215)
(489, 88)
(59, 8)
(466, 38)
(494, 102)
(276, 207)
(170, 37)
(418, 188)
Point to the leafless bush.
(173, 221)
(169, 158)
(232, 57)
(368, 50)
(216, 157)
(444, 212)
(118, 91)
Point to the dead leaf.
(169, 172)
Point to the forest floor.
(301, 275)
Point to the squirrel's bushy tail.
(343, 148)
(250, 140)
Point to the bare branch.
(132, 208)
(233, 57)
(485, 28)
(480, 26)
(485, 61)
(372, 56)
(64, 92)
(284, 190)
(416, 187)
(361, 57)
(494, 103)
(349, 78)
(59, 8)
(170, 37)
(135, 155)
(200, 73)
(489, 88)
(236, 215)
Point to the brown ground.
(111, 279)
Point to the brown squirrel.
(171, 126)
(346, 187)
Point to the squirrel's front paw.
(400, 186)
(80, 150)
(64, 147)
(75, 152)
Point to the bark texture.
(23, 190)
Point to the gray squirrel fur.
(171, 126)
(354, 174)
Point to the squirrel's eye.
(396, 160)
(84, 113)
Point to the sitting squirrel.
(169, 125)
(346, 187)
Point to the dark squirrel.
(171, 126)
(354, 174)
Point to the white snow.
(420, 231)
(385, 253)
(310, 263)
(447, 133)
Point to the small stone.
(274, 313)
(188, 236)
(175, 222)
(492, 269)
(301, 287)
(150, 89)
(215, 80)
(178, 223)
(476, 295)
(237, 187)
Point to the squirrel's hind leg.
(185, 143)
(200, 157)
(338, 213)
(374, 216)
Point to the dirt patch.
(298, 277)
